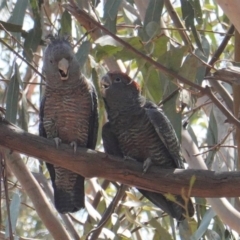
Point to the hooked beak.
(105, 83)
(63, 66)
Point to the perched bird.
(138, 129)
(68, 114)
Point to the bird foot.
(146, 164)
(74, 145)
(57, 141)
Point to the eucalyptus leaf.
(102, 52)
(110, 14)
(12, 96)
(17, 15)
(170, 110)
(153, 85)
(111, 9)
(11, 27)
(18, 12)
(14, 212)
(197, 10)
(160, 232)
(203, 55)
(190, 67)
(208, 216)
(152, 29)
(23, 113)
(66, 23)
(212, 137)
(153, 12)
(82, 53)
(34, 35)
(32, 41)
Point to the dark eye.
(117, 80)
(51, 61)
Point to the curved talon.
(146, 164)
(57, 141)
(74, 145)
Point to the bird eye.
(117, 80)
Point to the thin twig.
(205, 91)
(96, 231)
(17, 54)
(217, 145)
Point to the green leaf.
(35, 8)
(111, 25)
(34, 35)
(204, 55)
(32, 41)
(105, 51)
(153, 84)
(172, 59)
(11, 27)
(170, 110)
(212, 137)
(151, 25)
(153, 12)
(197, 10)
(18, 15)
(160, 46)
(14, 212)
(23, 113)
(187, 13)
(12, 96)
(66, 24)
(196, 37)
(212, 132)
(208, 216)
(189, 67)
(82, 53)
(111, 9)
(160, 232)
(110, 14)
(152, 29)
(18, 12)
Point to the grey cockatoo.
(139, 129)
(68, 114)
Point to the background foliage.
(183, 40)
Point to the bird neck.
(66, 87)
(125, 111)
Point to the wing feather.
(165, 132)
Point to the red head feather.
(130, 80)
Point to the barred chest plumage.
(138, 139)
(67, 113)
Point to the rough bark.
(91, 163)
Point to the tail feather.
(70, 199)
(175, 210)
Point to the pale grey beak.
(105, 83)
(63, 66)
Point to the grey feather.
(68, 111)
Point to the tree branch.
(83, 16)
(91, 163)
(35, 193)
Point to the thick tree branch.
(36, 194)
(91, 163)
